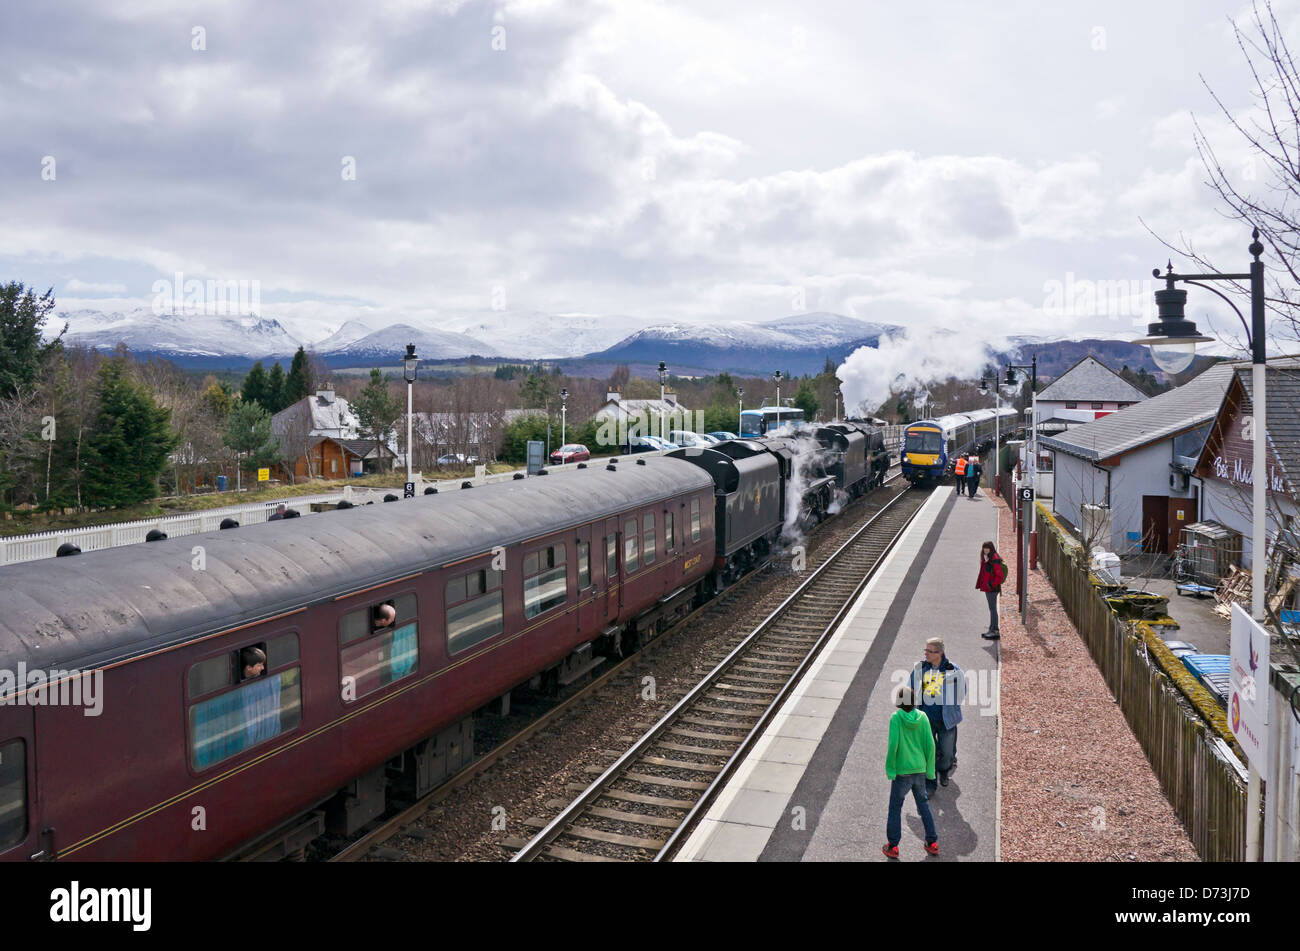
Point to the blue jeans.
(945, 751)
(898, 789)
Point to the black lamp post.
(777, 376)
(564, 399)
(410, 364)
(1173, 339)
(663, 381)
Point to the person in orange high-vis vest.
(960, 472)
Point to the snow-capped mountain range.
(212, 341)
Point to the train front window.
(923, 442)
(13, 793)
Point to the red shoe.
(891, 851)
(932, 847)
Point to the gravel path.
(1076, 785)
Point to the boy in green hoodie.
(909, 762)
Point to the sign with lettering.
(1230, 452)
(1249, 691)
(1026, 494)
(263, 475)
(1240, 472)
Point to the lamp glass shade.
(408, 369)
(1173, 355)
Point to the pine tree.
(254, 390)
(129, 442)
(22, 315)
(298, 383)
(275, 389)
(377, 411)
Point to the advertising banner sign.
(1249, 691)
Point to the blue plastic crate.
(1207, 664)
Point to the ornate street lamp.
(777, 376)
(410, 364)
(740, 419)
(663, 381)
(1173, 341)
(564, 397)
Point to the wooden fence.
(1197, 769)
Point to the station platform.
(814, 788)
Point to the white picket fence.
(22, 548)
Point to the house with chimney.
(644, 417)
(320, 438)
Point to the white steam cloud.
(904, 361)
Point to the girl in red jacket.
(993, 571)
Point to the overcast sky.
(921, 163)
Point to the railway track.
(645, 804)
(371, 844)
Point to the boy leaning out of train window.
(253, 662)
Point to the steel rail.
(535, 846)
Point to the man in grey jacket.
(940, 688)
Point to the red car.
(570, 452)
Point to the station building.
(1224, 467)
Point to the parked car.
(570, 452)
(689, 439)
(644, 444)
(723, 437)
(457, 459)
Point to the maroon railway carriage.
(490, 587)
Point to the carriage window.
(380, 644)
(474, 609)
(669, 541)
(611, 559)
(546, 580)
(695, 520)
(648, 539)
(209, 675)
(282, 650)
(584, 565)
(257, 710)
(13, 793)
(631, 548)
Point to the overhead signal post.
(1173, 339)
